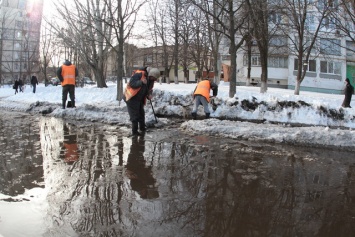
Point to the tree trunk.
(297, 87)
(233, 71)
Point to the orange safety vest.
(203, 88)
(71, 152)
(68, 73)
(129, 91)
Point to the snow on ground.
(274, 116)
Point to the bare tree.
(160, 31)
(121, 19)
(186, 28)
(198, 40)
(302, 27)
(85, 34)
(345, 19)
(47, 50)
(259, 15)
(229, 15)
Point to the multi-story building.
(20, 24)
(332, 58)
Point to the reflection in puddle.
(101, 183)
(139, 173)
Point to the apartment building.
(20, 24)
(332, 58)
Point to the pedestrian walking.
(348, 91)
(16, 85)
(202, 96)
(138, 90)
(34, 82)
(67, 74)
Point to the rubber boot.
(194, 115)
(142, 126)
(63, 104)
(73, 104)
(135, 128)
(207, 115)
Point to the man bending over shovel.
(202, 96)
(138, 90)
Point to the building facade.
(20, 25)
(331, 61)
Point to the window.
(18, 24)
(310, 23)
(149, 58)
(278, 41)
(330, 46)
(278, 62)
(311, 65)
(21, 4)
(327, 3)
(275, 18)
(295, 64)
(330, 67)
(226, 57)
(255, 60)
(16, 56)
(328, 23)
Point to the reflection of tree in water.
(20, 156)
(251, 192)
(85, 196)
(204, 190)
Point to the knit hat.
(154, 72)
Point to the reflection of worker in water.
(69, 151)
(142, 180)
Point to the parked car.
(55, 81)
(88, 81)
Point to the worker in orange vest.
(138, 90)
(202, 96)
(67, 74)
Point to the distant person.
(20, 85)
(34, 82)
(202, 96)
(138, 90)
(348, 91)
(67, 74)
(16, 85)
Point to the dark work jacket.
(146, 89)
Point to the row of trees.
(90, 30)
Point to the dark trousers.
(71, 90)
(34, 88)
(136, 113)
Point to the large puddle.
(60, 178)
